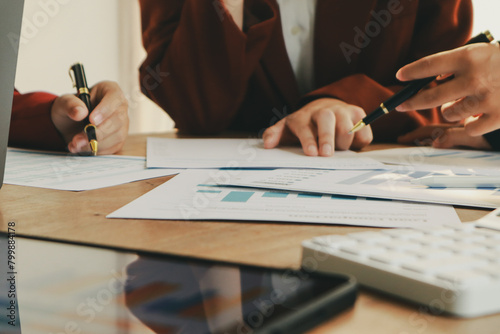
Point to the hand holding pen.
(80, 83)
(410, 90)
(474, 88)
(70, 115)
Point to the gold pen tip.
(357, 127)
(93, 147)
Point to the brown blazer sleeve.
(31, 125)
(199, 62)
(439, 25)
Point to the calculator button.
(465, 248)
(363, 249)
(333, 241)
(432, 253)
(402, 245)
(403, 233)
(438, 265)
(394, 258)
(467, 237)
(434, 240)
(369, 236)
(465, 277)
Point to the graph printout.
(393, 184)
(193, 195)
(69, 172)
(458, 161)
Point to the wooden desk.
(80, 217)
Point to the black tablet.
(62, 288)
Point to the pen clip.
(73, 80)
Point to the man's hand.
(473, 90)
(110, 115)
(321, 127)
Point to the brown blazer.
(209, 76)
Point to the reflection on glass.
(183, 297)
(65, 288)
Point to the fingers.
(110, 115)
(458, 137)
(364, 136)
(301, 126)
(431, 66)
(110, 134)
(70, 106)
(108, 98)
(325, 123)
(437, 96)
(485, 123)
(273, 134)
(67, 113)
(321, 127)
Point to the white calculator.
(452, 269)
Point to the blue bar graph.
(309, 195)
(238, 196)
(274, 194)
(350, 198)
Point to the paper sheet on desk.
(394, 184)
(458, 161)
(193, 195)
(243, 153)
(69, 172)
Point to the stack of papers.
(237, 179)
(349, 188)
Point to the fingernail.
(79, 112)
(326, 149)
(398, 75)
(312, 150)
(80, 144)
(97, 118)
(401, 107)
(267, 139)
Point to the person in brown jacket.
(299, 69)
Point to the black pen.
(411, 89)
(80, 82)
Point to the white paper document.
(69, 172)
(243, 153)
(459, 161)
(396, 184)
(193, 195)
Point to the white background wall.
(105, 36)
(102, 34)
